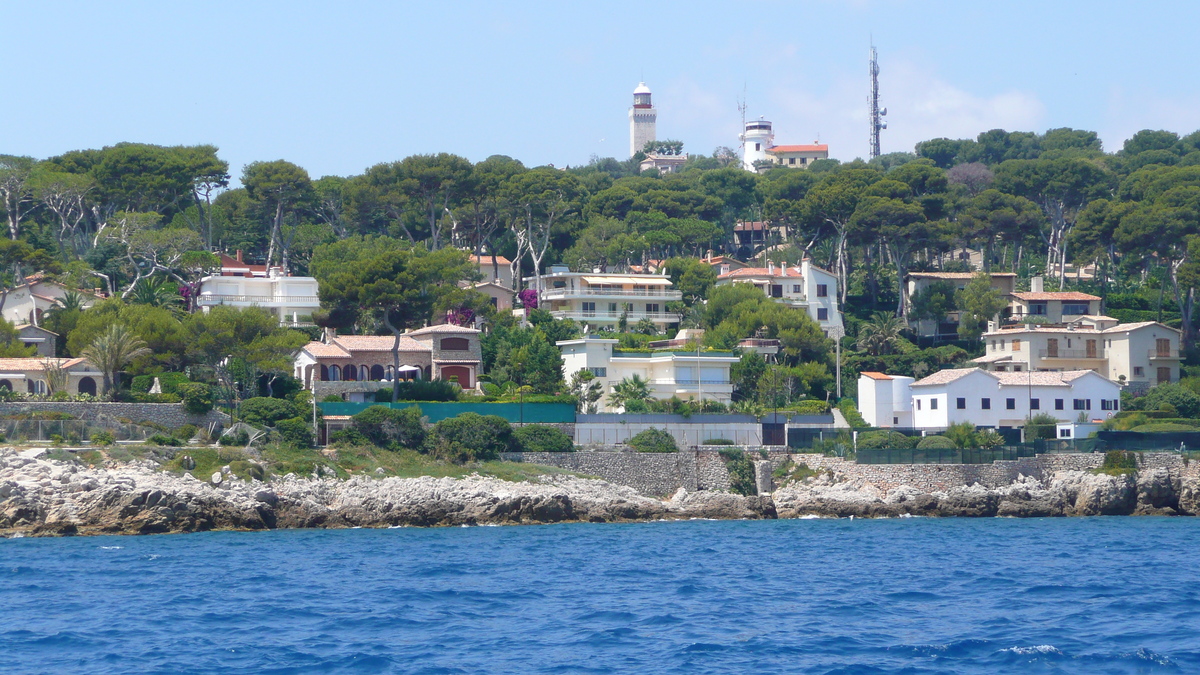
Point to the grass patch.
(790, 472)
(210, 460)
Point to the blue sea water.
(1080, 595)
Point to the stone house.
(29, 375)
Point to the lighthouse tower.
(757, 137)
(642, 118)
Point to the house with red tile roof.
(356, 366)
(805, 287)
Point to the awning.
(639, 281)
(410, 369)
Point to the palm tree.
(155, 292)
(71, 301)
(880, 335)
(112, 350)
(632, 388)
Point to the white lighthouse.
(642, 119)
(757, 137)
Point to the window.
(895, 421)
(822, 290)
(795, 288)
(933, 404)
(1058, 404)
(1035, 404)
(758, 146)
(1010, 403)
(598, 371)
(455, 344)
(1074, 309)
(612, 308)
(1116, 404)
(1064, 433)
(1016, 369)
(985, 403)
(652, 308)
(822, 314)
(1137, 371)
(1038, 309)
(589, 309)
(776, 291)
(918, 404)
(1016, 345)
(1082, 404)
(1105, 404)
(791, 160)
(961, 403)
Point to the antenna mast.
(876, 113)
(742, 110)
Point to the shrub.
(240, 438)
(717, 441)
(245, 469)
(186, 432)
(1042, 425)
(390, 428)
(104, 438)
(1120, 459)
(490, 389)
(168, 381)
(163, 439)
(653, 440)
(420, 390)
(988, 438)
(263, 411)
(295, 432)
(542, 438)
(850, 412)
(471, 436)
(332, 398)
(1184, 401)
(812, 408)
(197, 397)
(348, 437)
(936, 443)
(741, 472)
(871, 440)
(1152, 427)
(156, 398)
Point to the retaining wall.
(170, 415)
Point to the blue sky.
(337, 87)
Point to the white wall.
(980, 385)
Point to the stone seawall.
(169, 415)
(660, 474)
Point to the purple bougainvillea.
(463, 316)
(529, 298)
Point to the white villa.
(669, 373)
(985, 399)
(240, 284)
(1138, 354)
(26, 303)
(806, 287)
(600, 299)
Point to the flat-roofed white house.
(1000, 400)
(599, 300)
(359, 365)
(669, 373)
(1138, 354)
(241, 284)
(806, 287)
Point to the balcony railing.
(558, 293)
(209, 299)
(1163, 353)
(689, 383)
(1070, 354)
(614, 316)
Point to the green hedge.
(542, 438)
(653, 440)
(936, 443)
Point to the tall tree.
(537, 201)
(113, 350)
(282, 187)
(16, 189)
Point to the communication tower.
(877, 113)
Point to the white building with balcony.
(600, 300)
(240, 284)
(1138, 354)
(669, 373)
(806, 287)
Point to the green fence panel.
(536, 413)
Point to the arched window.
(324, 373)
(349, 373)
(335, 373)
(364, 373)
(455, 344)
(389, 373)
(377, 373)
(5, 384)
(86, 386)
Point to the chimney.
(1036, 285)
(329, 334)
(239, 255)
(770, 268)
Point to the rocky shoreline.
(40, 497)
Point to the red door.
(462, 374)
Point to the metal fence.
(70, 430)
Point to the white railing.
(614, 316)
(689, 383)
(559, 293)
(212, 299)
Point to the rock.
(217, 477)
(187, 463)
(266, 497)
(1156, 490)
(1105, 495)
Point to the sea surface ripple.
(1073, 595)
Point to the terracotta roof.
(226, 261)
(320, 349)
(957, 275)
(875, 376)
(947, 376)
(748, 226)
(376, 343)
(1040, 378)
(441, 328)
(1057, 295)
(791, 273)
(799, 148)
(717, 260)
(487, 259)
(37, 364)
(1122, 327)
(992, 358)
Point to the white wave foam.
(112, 548)
(1039, 649)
